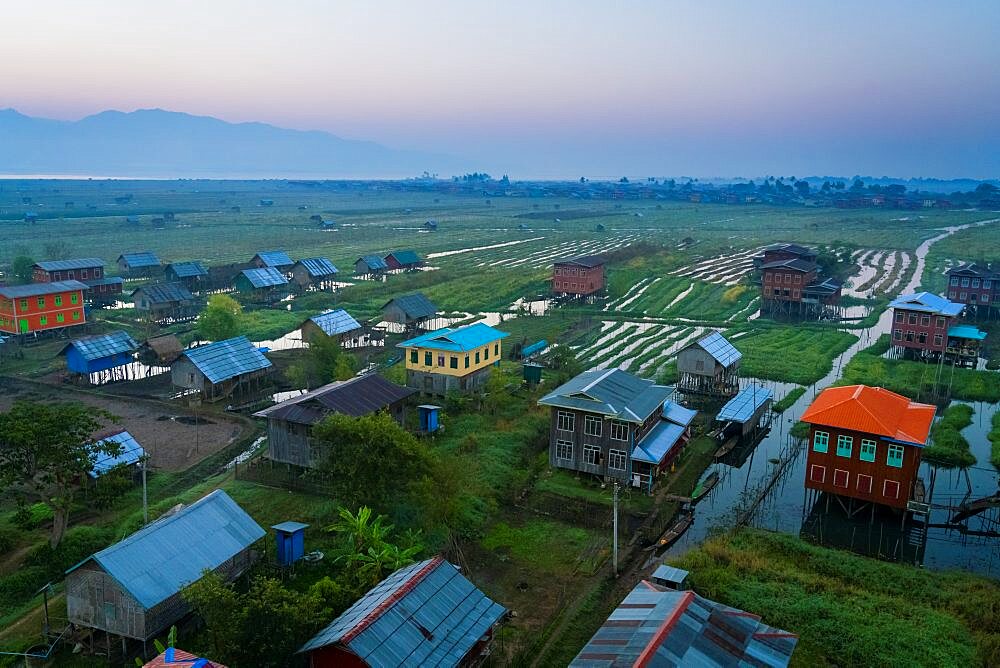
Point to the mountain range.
(155, 143)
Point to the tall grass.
(948, 448)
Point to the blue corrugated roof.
(743, 406)
(677, 414)
(414, 306)
(716, 345)
(462, 339)
(164, 293)
(373, 262)
(290, 527)
(227, 359)
(405, 257)
(107, 280)
(658, 443)
(536, 347)
(966, 332)
(100, 346)
(157, 561)
(265, 277)
(927, 302)
(140, 259)
(188, 269)
(274, 258)
(610, 392)
(63, 265)
(318, 266)
(131, 453)
(36, 289)
(427, 614)
(335, 322)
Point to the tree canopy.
(222, 318)
(325, 361)
(21, 268)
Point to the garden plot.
(631, 294)
(880, 272)
(723, 269)
(636, 346)
(539, 256)
(679, 297)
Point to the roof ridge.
(160, 522)
(661, 633)
(607, 372)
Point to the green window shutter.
(821, 441)
(428, 359)
(894, 457)
(867, 450)
(844, 445)
(414, 356)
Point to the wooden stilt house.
(709, 366)
(221, 369)
(260, 285)
(316, 272)
(336, 323)
(100, 357)
(165, 302)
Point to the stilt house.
(192, 274)
(709, 366)
(578, 277)
(274, 259)
(260, 284)
(219, 369)
(144, 263)
(370, 265)
(403, 260)
(165, 301)
(41, 307)
(314, 271)
(100, 354)
(449, 359)
(412, 310)
(337, 323)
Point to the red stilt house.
(865, 443)
(26, 309)
(579, 277)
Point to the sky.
(547, 88)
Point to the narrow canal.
(745, 473)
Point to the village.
(475, 422)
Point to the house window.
(477, 357)
(938, 340)
(777, 278)
(616, 460)
(925, 320)
(897, 334)
(74, 298)
(965, 282)
(58, 300)
(466, 361)
(564, 450)
(559, 272)
(841, 478)
(41, 302)
(817, 473)
(975, 282)
(76, 315)
(788, 278)
(428, 359)
(894, 457)
(798, 278)
(913, 318)
(844, 444)
(619, 431)
(821, 441)
(43, 320)
(899, 316)
(70, 275)
(699, 365)
(454, 362)
(987, 283)
(909, 336)
(954, 280)
(565, 421)
(890, 489)
(963, 296)
(592, 425)
(940, 322)
(867, 450)
(922, 337)
(486, 353)
(414, 356)
(60, 317)
(83, 273)
(592, 455)
(496, 349)
(767, 278)
(441, 360)
(864, 483)
(984, 298)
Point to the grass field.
(800, 354)
(850, 610)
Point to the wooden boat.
(705, 486)
(727, 447)
(676, 531)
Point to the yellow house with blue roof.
(452, 359)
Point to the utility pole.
(614, 537)
(145, 503)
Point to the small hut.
(404, 260)
(220, 369)
(259, 284)
(133, 588)
(192, 274)
(140, 264)
(165, 302)
(370, 265)
(411, 310)
(335, 322)
(131, 453)
(314, 271)
(100, 357)
(709, 366)
(747, 415)
(276, 259)
(160, 350)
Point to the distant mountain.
(158, 143)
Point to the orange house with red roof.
(865, 443)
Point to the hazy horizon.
(548, 90)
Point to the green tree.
(325, 361)
(222, 318)
(802, 188)
(368, 552)
(21, 268)
(47, 449)
(371, 459)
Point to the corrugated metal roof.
(742, 407)
(427, 614)
(335, 322)
(38, 289)
(362, 395)
(157, 561)
(670, 574)
(656, 626)
(716, 345)
(536, 347)
(658, 443)
(227, 359)
(966, 332)
(274, 258)
(318, 266)
(107, 280)
(265, 277)
(191, 269)
(462, 339)
(872, 410)
(164, 293)
(77, 263)
(588, 261)
(140, 259)
(405, 257)
(373, 262)
(796, 264)
(99, 346)
(927, 302)
(131, 453)
(610, 392)
(177, 658)
(678, 414)
(414, 306)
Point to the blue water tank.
(290, 540)
(428, 417)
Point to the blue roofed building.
(370, 265)
(221, 369)
(99, 353)
(131, 453)
(447, 359)
(275, 259)
(709, 366)
(314, 271)
(614, 425)
(133, 588)
(260, 284)
(920, 325)
(165, 301)
(410, 310)
(426, 614)
(190, 273)
(143, 263)
(659, 626)
(405, 259)
(746, 414)
(337, 323)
